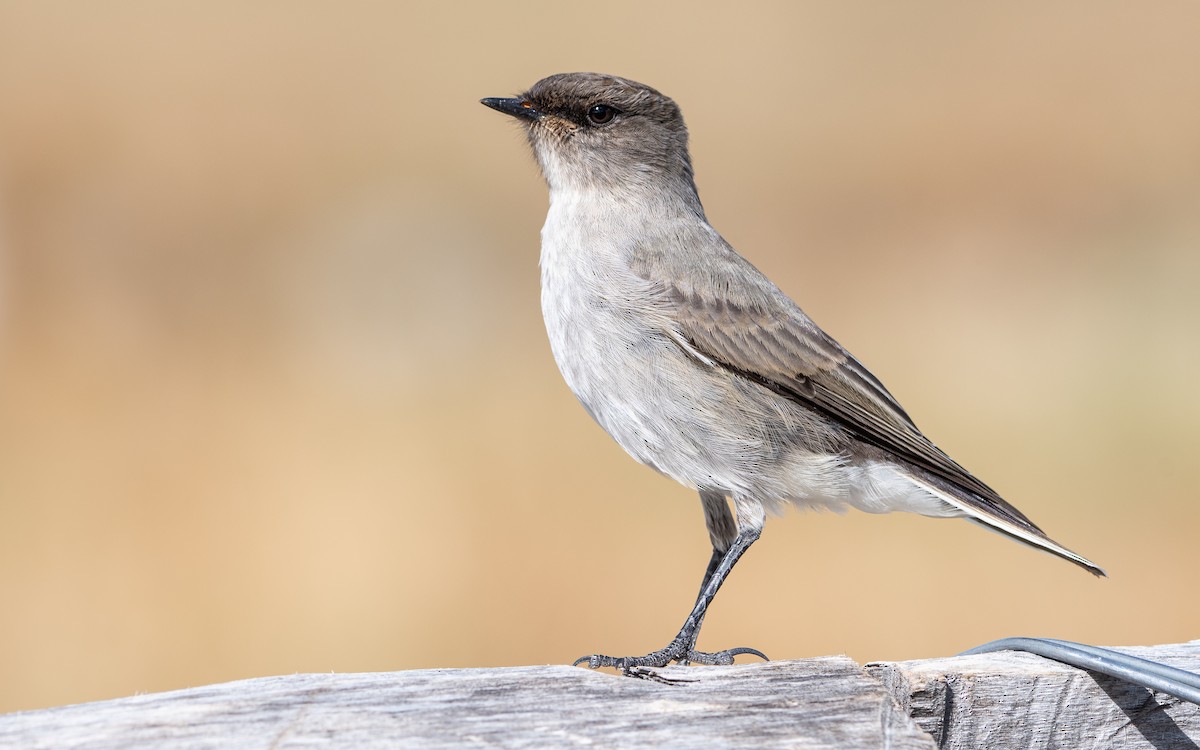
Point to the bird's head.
(590, 130)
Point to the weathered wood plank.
(993, 700)
(1010, 699)
(815, 703)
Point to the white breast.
(606, 333)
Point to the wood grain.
(996, 700)
(816, 703)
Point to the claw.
(722, 657)
(719, 658)
(746, 650)
(623, 663)
(626, 663)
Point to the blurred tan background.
(274, 389)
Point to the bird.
(696, 363)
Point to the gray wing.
(731, 313)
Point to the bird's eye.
(601, 114)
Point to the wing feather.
(753, 329)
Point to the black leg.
(713, 562)
(681, 648)
(722, 530)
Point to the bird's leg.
(681, 648)
(713, 562)
(721, 530)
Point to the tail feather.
(1030, 535)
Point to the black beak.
(519, 108)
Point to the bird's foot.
(637, 666)
(721, 657)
